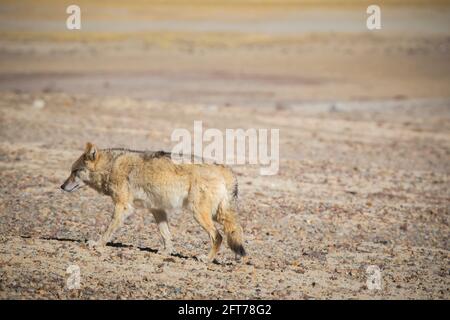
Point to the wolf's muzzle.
(70, 188)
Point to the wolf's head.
(81, 169)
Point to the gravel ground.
(356, 187)
(364, 119)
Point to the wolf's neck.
(99, 179)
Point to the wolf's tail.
(228, 218)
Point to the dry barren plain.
(364, 121)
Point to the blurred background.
(252, 52)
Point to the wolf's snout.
(71, 185)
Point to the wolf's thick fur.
(209, 191)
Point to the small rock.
(38, 104)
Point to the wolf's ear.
(91, 151)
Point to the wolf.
(209, 191)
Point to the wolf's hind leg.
(163, 225)
(203, 217)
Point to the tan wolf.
(209, 191)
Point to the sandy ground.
(364, 123)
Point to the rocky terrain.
(364, 178)
(356, 187)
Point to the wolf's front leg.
(121, 212)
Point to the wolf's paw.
(205, 258)
(238, 257)
(167, 251)
(92, 244)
